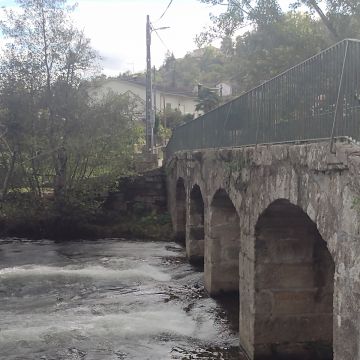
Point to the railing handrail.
(273, 78)
(266, 93)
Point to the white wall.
(226, 89)
(185, 104)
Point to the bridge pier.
(180, 212)
(195, 233)
(222, 246)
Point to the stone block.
(195, 250)
(221, 277)
(196, 233)
(246, 267)
(307, 301)
(264, 302)
(285, 276)
(294, 351)
(288, 250)
(347, 339)
(293, 329)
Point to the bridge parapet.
(298, 220)
(316, 99)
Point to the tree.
(239, 13)
(253, 57)
(47, 58)
(52, 134)
(262, 54)
(227, 46)
(208, 99)
(102, 143)
(171, 118)
(204, 65)
(340, 17)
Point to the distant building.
(225, 89)
(164, 99)
(222, 88)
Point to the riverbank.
(46, 219)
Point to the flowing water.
(108, 299)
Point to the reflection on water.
(108, 299)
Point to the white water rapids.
(108, 299)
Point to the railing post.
(338, 99)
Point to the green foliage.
(153, 226)
(341, 18)
(201, 66)
(258, 54)
(262, 54)
(238, 14)
(78, 215)
(337, 19)
(208, 99)
(60, 150)
(172, 118)
(54, 137)
(356, 204)
(234, 165)
(276, 40)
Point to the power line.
(167, 8)
(162, 41)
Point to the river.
(108, 299)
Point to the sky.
(117, 29)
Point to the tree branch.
(329, 25)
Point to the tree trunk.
(329, 25)
(60, 173)
(8, 176)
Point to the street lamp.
(149, 111)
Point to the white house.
(225, 89)
(222, 88)
(162, 99)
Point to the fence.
(319, 98)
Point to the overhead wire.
(162, 41)
(167, 8)
(155, 30)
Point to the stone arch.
(222, 246)
(195, 229)
(180, 213)
(294, 286)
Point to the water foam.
(143, 271)
(141, 322)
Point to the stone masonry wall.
(325, 187)
(146, 192)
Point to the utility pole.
(149, 109)
(149, 113)
(154, 95)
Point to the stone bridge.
(280, 225)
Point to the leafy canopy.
(340, 17)
(54, 136)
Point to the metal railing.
(316, 99)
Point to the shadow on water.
(228, 312)
(229, 304)
(198, 266)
